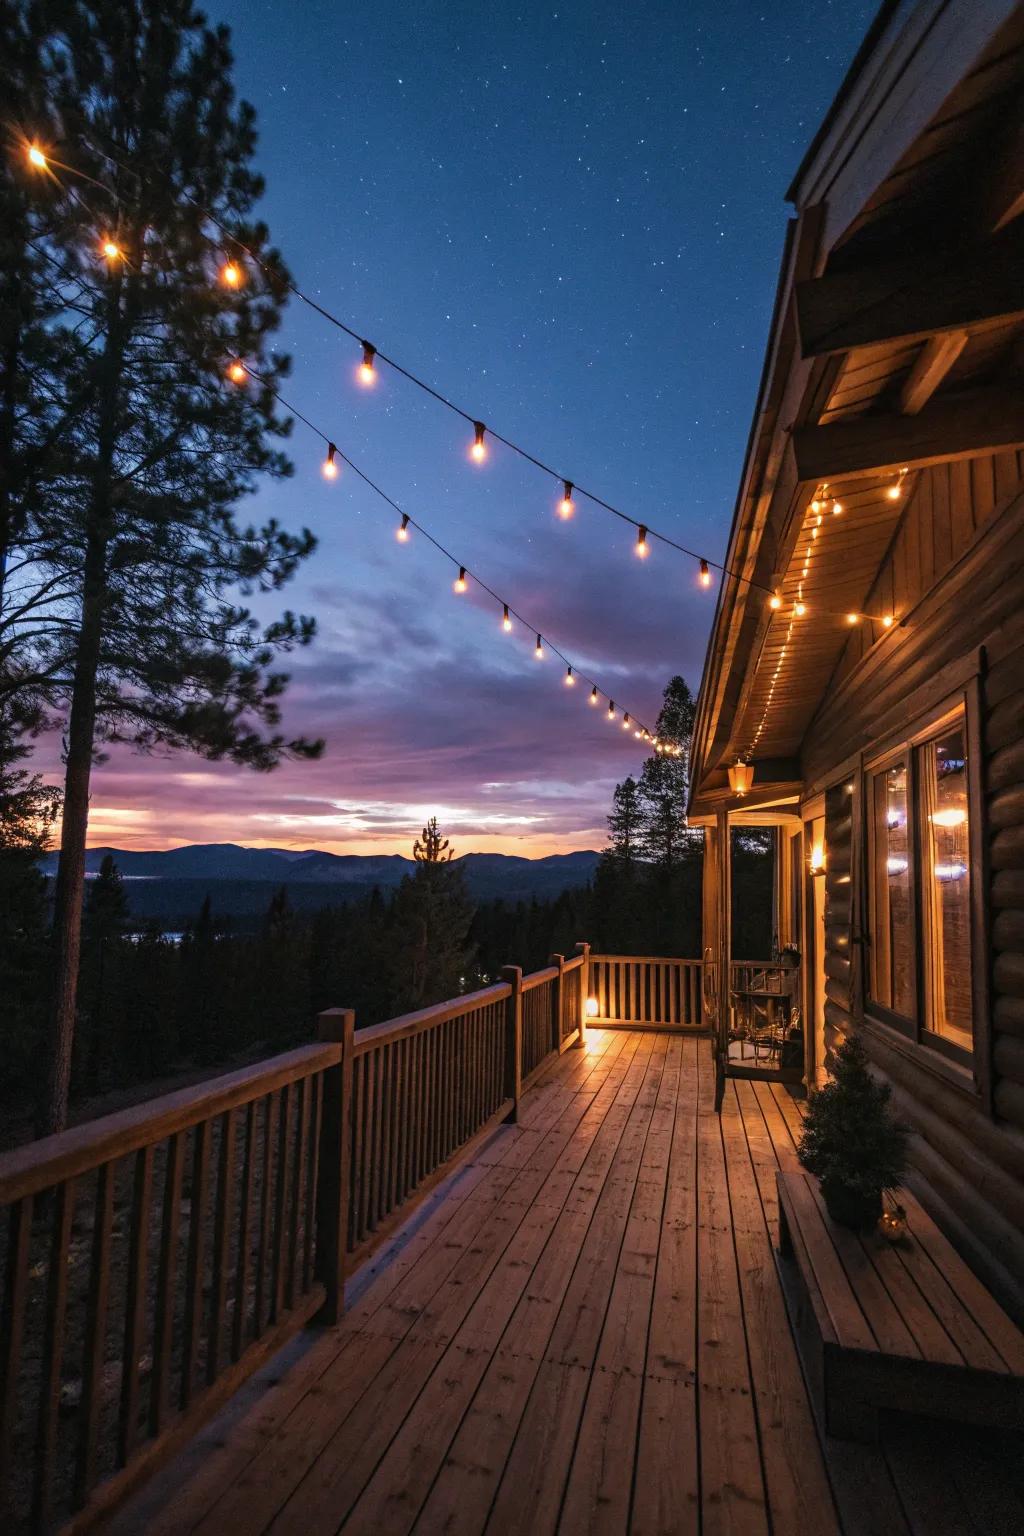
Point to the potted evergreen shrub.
(851, 1141)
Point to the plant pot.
(852, 1207)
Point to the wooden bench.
(901, 1326)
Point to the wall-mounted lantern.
(741, 777)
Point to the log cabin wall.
(954, 575)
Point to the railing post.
(557, 1003)
(584, 950)
(334, 1159)
(513, 974)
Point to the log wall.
(954, 576)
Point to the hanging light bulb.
(570, 681)
(593, 694)
(566, 507)
(459, 584)
(231, 274)
(478, 451)
(402, 533)
(625, 722)
(705, 574)
(641, 542)
(329, 466)
(237, 373)
(611, 709)
(538, 649)
(367, 372)
(506, 622)
(36, 157)
(111, 250)
(775, 601)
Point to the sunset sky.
(568, 218)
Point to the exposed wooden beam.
(1002, 183)
(965, 427)
(917, 297)
(933, 362)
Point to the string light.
(566, 507)
(330, 467)
(593, 695)
(887, 621)
(837, 508)
(459, 584)
(799, 608)
(111, 250)
(237, 372)
(478, 451)
(36, 157)
(611, 709)
(506, 622)
(775, 601)
(705, 574)
(625, 722)
(231, 274)
(641, 542)
(538, 649)
(570, 681)
(896, 491)
(402, 533)
(367, 371)
(853, 618)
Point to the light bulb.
(775, 601)
(402, 533)
(570, 681)
(641, 542)
(459, 584)
(230, 274)
(111, 250)
(330, 467)
(800, 609)
(625, 722)
(894, 492)
(479, 449)
(538, 650)
(237, 373)
(593, 695)
(566, 507)
(611, 709)
(815, 505)
(705, 574)
(367, 372)
(837, 508)
(36, 157)
(506, 622)
(853, 618)
(887, 621)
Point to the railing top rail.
(538, 978)
(426, 1018)
(648, 959)
(768, 965)
(42, 1164)
(576, 963)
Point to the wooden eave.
(856, 415)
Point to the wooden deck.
(581, 1330)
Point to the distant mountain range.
(174, 882)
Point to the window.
(919, 888)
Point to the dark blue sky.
(569, 218)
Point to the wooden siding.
(954, 574)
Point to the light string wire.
(573, 675)
(372, 354)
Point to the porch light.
(741, 777)
(817, 860)
(591, 1007)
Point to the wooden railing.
(756, 975)
(645, 992)
(153, 1258)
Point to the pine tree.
(432, 917)
(850, 1139)
(143, 546)
(430, 847)
(664, 781)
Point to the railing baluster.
(12, 1326)
(95, 1335)
(280, 1245)
(334, 1153)
(194, 1262)
(309, 1230)
(238, 1323)
(221, 1243)
(135, 1303)
(53, 1353)
(266, 1208)
(298, 1190)
(163, 1328)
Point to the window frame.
(967, 1068)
